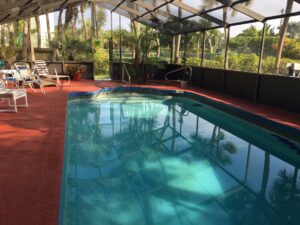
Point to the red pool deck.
(32, 145)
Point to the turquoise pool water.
(146, 159)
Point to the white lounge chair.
(42, 70)
(27, 76)
(14, 95)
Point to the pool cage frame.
(151, 12)
(236, 5)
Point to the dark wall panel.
(197, 76)
(58, 66)
(116, 71)
(280, 91)
(176, 75)
(240, 84)
(212, 79)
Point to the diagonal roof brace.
(117, 6)
(150, 7)
(185, 7)
(143, 4)
(197, 12)
(243, 9)
(214, 20)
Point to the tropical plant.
(75, 70)
(145, 42)
(8, 54)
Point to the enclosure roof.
(172, 16)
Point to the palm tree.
(283, 31)
(62, 28)
(147, 42)
(38, 29)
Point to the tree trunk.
(3, 35)
(24, 55)
(97, 24)
(283, 31)
(38, 30)
(83, 22)
(48, 29)
(11, 33)
(173, 43)
(32, 54)
(158, 45)
(74, 25)
(177, 48)
(265, 178)
(137, 30)
(93, 19)
(178, 40)
(59, 28)
(198, 45)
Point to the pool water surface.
(147, 159)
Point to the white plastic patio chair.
(42, 71)
(28, 77)
(14, 95)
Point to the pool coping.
(269, 124)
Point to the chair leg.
(41, 87)
(26, 101)
(15, 104)
(31, 86)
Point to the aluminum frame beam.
(243, 9)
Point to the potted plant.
(75, 71)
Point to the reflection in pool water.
(158, 160)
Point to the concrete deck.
(32, 145)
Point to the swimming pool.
(163, 159)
